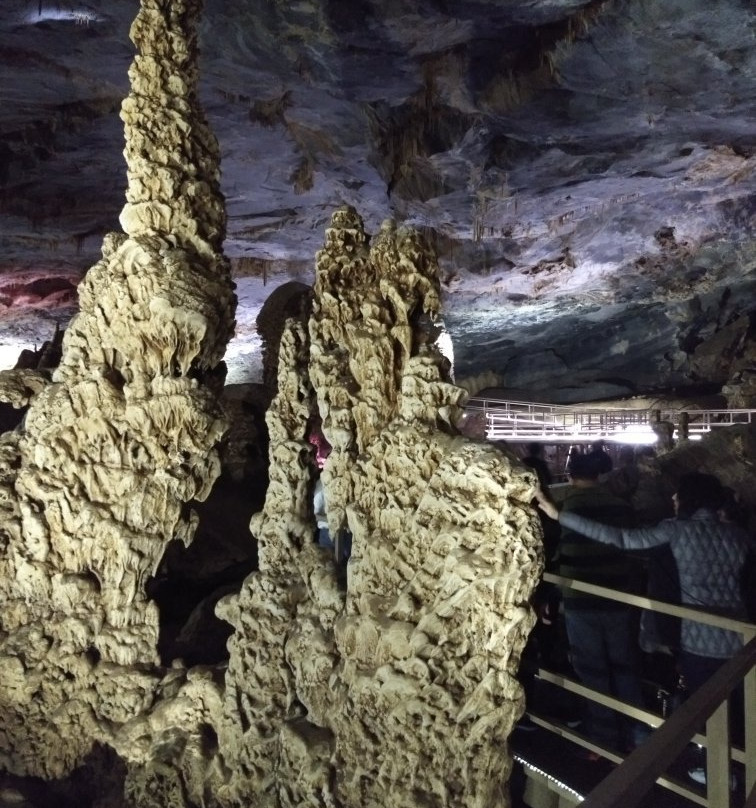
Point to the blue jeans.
(603, 652)
(696, 671)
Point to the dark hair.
(627, 454)
(697, 490)
(731, 510)
(584, 467)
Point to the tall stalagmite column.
(124, 437)
(395, 686)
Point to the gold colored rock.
(391, 680)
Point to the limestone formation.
(291, 299)
(388, 683)
(18, 387)
(397, 688)
(740, 389)
(112, 451)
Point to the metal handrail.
(634, 777)
(528, 419)
(700, 615)
(742, 415)
(627, 784)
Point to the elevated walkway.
(553, 774)
(554, 423)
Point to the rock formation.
(399, 687)
(590, 191)
(97, 483)
(740, 389)
(391, 684)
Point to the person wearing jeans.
(710, 555)
(601, 633)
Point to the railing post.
(749, 717)
(718, 758)
(683, 426)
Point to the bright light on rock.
(82, 16)
(9, 355)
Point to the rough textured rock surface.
(111, 452)
(727, 453)
(584, 168)
(329, 674)
(414, 648)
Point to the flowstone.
(395, 684)
(96, 484)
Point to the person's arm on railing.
(627, 538)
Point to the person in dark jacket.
(534, 459)
(710, 555)
(623, 479)
(601, 633)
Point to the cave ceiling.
(585, 170)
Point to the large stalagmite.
(397, 689)
(388, 683)
(97, 483)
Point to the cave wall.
(680, 322)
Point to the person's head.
(697, 490)
(598, 446)
(730, 509)
(534, 449)
(583, 469)
(626, 456)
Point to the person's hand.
(546, 505)
(545, 614)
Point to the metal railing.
(527, 421)
(627, 784)
(647, 764)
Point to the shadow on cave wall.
(10, 417)
(97, 783)
(191, 580)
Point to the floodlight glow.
(80, 16)
(244, 360)
(446, 347)
(10, 352)
(636, 435)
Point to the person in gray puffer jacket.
(710, 555)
